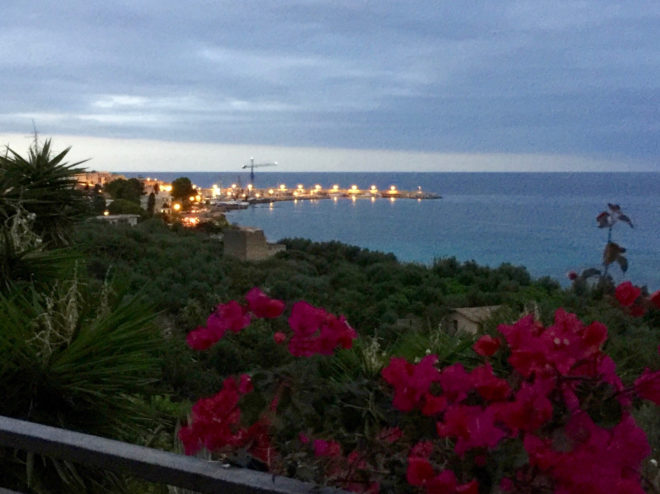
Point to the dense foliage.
(541, 410)
(93, 337)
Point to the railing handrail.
(147, 463)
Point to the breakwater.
(252, 195)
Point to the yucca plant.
(78, 365)
(42, 183)
(23, 256)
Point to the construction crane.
(252, 165)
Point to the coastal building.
(96, 178)
(469, 319)
(119, 219)
(249, 244)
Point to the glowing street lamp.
(176, 206)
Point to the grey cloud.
(512, 76)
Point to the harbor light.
(198, 198)
(300, 187)
(354, 189)
(393, 189)
(283, 187)
(233, 186)
(335, 188)
(295, 193)
(271, 191)
(106, 212)
(373, 189)
(317, 187)
(249, 186)
(176, 206)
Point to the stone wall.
(249, 244)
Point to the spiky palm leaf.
(44, 185)
(64, 363)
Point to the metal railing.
(146, 463)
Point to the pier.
(236, 196)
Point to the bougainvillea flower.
(261, 305)
(316, 331)
(471, 426)
(215, 420)
(626, 293)
(201, 338)
(647, 386)
(434, 404)
(655, 299)
(390, 434)
(231, 316)
(326, 448)
(446, 483)
(455, 382)
(305, 319)
(411, 382)
(279, 337)
(489, 386)
(486, 345)
(530, 409)
(419, 471)
(422, 449)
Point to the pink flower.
(486, 345)
(230, 316)
(216, 420)
(419, 471)
(390, 434)
(317, 331)
(201, 338)
(455, 382)
(263, 306)
(434, 404)
(530, 409)
(490, 387)
(326, 448)
(472, 426)
(626, 293)
(279, 337)
(655, 299)
(422, 449)
(647, 386)
(411, 382)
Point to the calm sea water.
(544, 221)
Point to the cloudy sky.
(336, 85)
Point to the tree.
(151, 204)
(182, 189)
(124, 206)
(130, 189)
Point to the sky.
(344, 85)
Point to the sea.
(543, 221)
